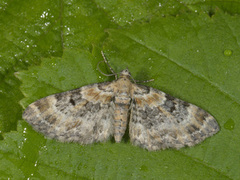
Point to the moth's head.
(125, 73)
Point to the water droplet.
(228, 52)
(229, 125)
(47, 23)
(44, 14)
(24, 131)
(53, 64)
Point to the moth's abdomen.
(122, 105)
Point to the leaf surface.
(55, 47)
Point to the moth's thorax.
(123, 85)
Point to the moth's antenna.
(150, 80)
(103, 72)
(137, 81)
(113, 73)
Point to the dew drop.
(229, 125)
(35, 164)
(228, 52)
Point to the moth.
(96, 112)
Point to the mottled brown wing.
(159, 121)
(82, 115)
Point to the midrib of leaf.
(202, 163)
(200, 76)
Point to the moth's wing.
(159, 121)
(82, 115)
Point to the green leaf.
(32, 30)
(76, 68)
(28, 154)
(192, 56)
(126, 12)
(27, 34)
(186, 56)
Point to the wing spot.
(51, 119)
(168, 97)
(58, 96)
(42, 105)
(201, 115)
(73, 125)
(72, 102)
(185, 104)
(170, 105)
